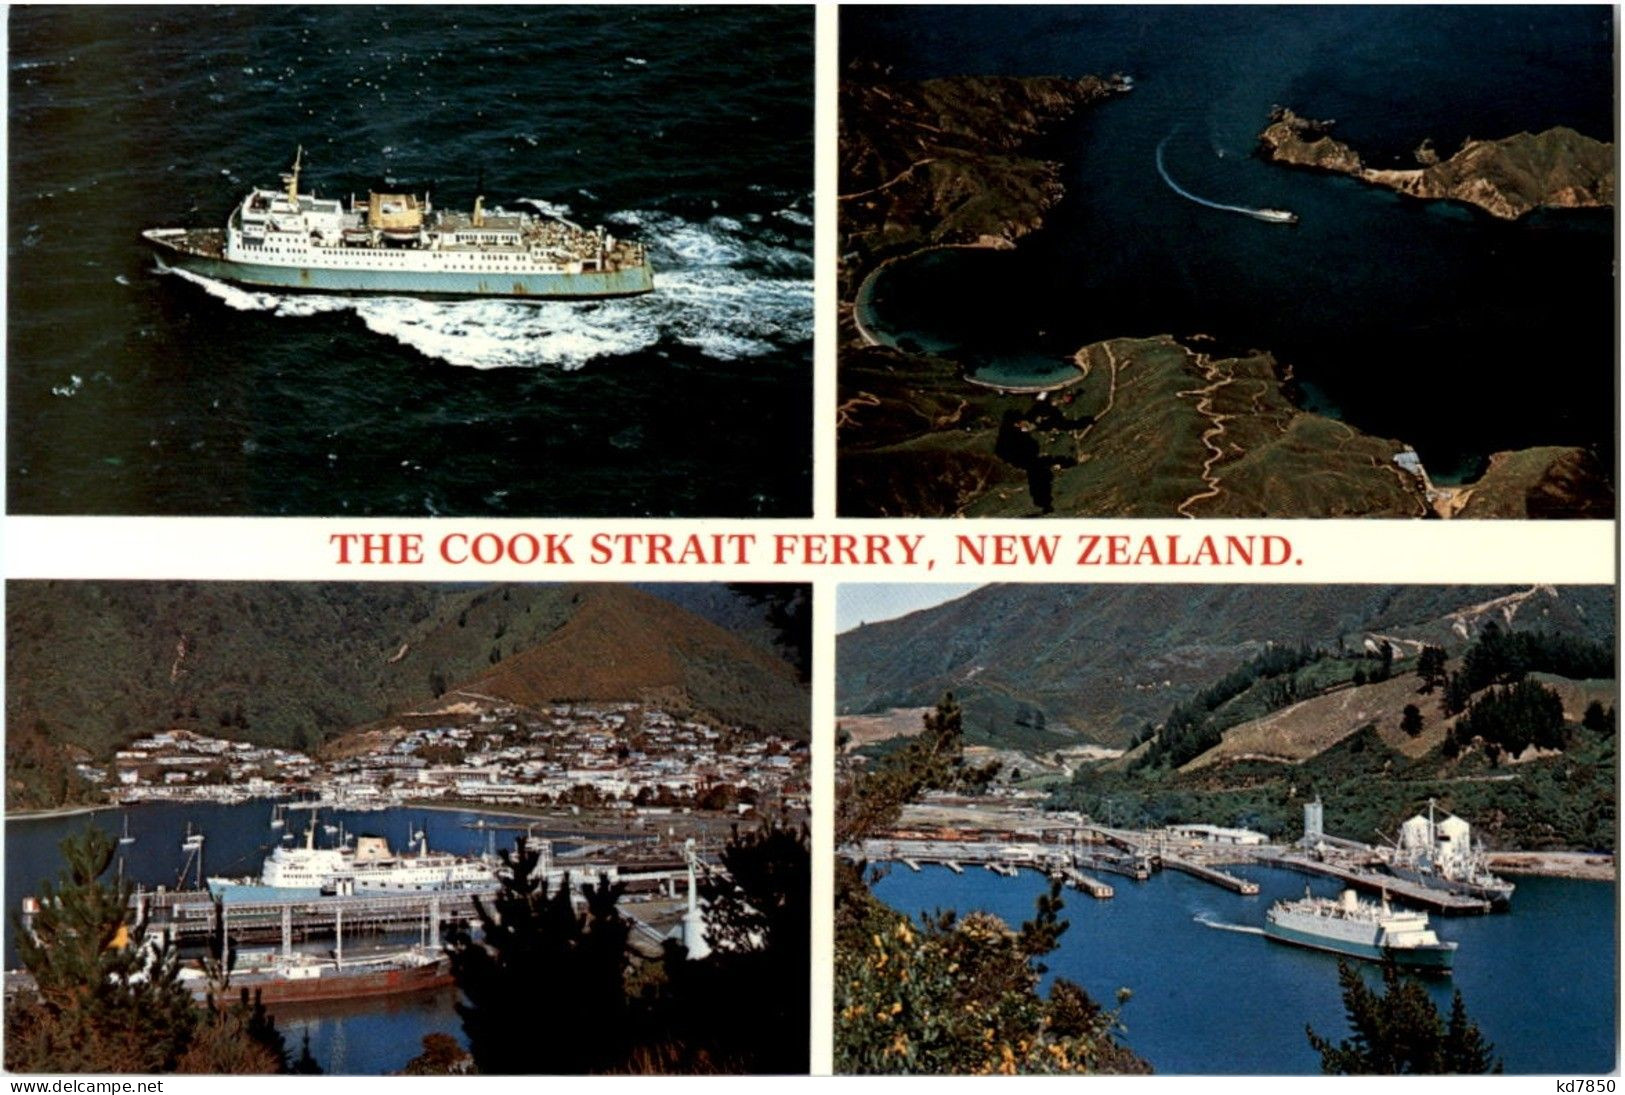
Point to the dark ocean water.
(1539, 980)
(367, 1037)
(1429, 322)
(137, 393)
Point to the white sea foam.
(717, 290)
(545, 207)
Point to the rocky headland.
(1507, 178)
(1545, 482)
(946, 162)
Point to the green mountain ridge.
(91, 665)
(1098, 663)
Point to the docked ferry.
(368, 868)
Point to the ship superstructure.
(370, 867)
(1360, 929)
(399, 243)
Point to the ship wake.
(1207, 921)
(1273, 216)
(722, 289)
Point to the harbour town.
(433, 801)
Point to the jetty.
(1210, 874)
(1002, 858)
(1411, 893)
(264, 913)
(195, 916)
(1076, 851)
(1080, 881)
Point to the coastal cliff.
(1507, 178)
(945, 162)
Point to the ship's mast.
(693, 920)
(292, 177)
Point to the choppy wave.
(717, 289)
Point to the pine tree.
(1465, 1051)
(931, 759)
(541, 966)
(108, 999)
(1597, 718)
(1456, 694)
(758, 922)
(1398, 1031)
(1430, 667)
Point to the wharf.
(1210, 874)
(1410, 892)
(189, 916)
(1080, 881)
(1136, 867)
(265, 914)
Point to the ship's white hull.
(400, 278)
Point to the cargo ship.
(1443, 855)
(1359, 929)
(298, 978)
(399, 244)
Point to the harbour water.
(1540, 980)
(366, 1037)
(1431, 323)
(132, 392)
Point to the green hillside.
(1103, 661)
(91, 665)
(1518, 733)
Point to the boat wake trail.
(1246, 929)
(1273, 216)
(729, 291)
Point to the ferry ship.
(396, 243)
(368, 868)
(1359, 929)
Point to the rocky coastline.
(1508, 178)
